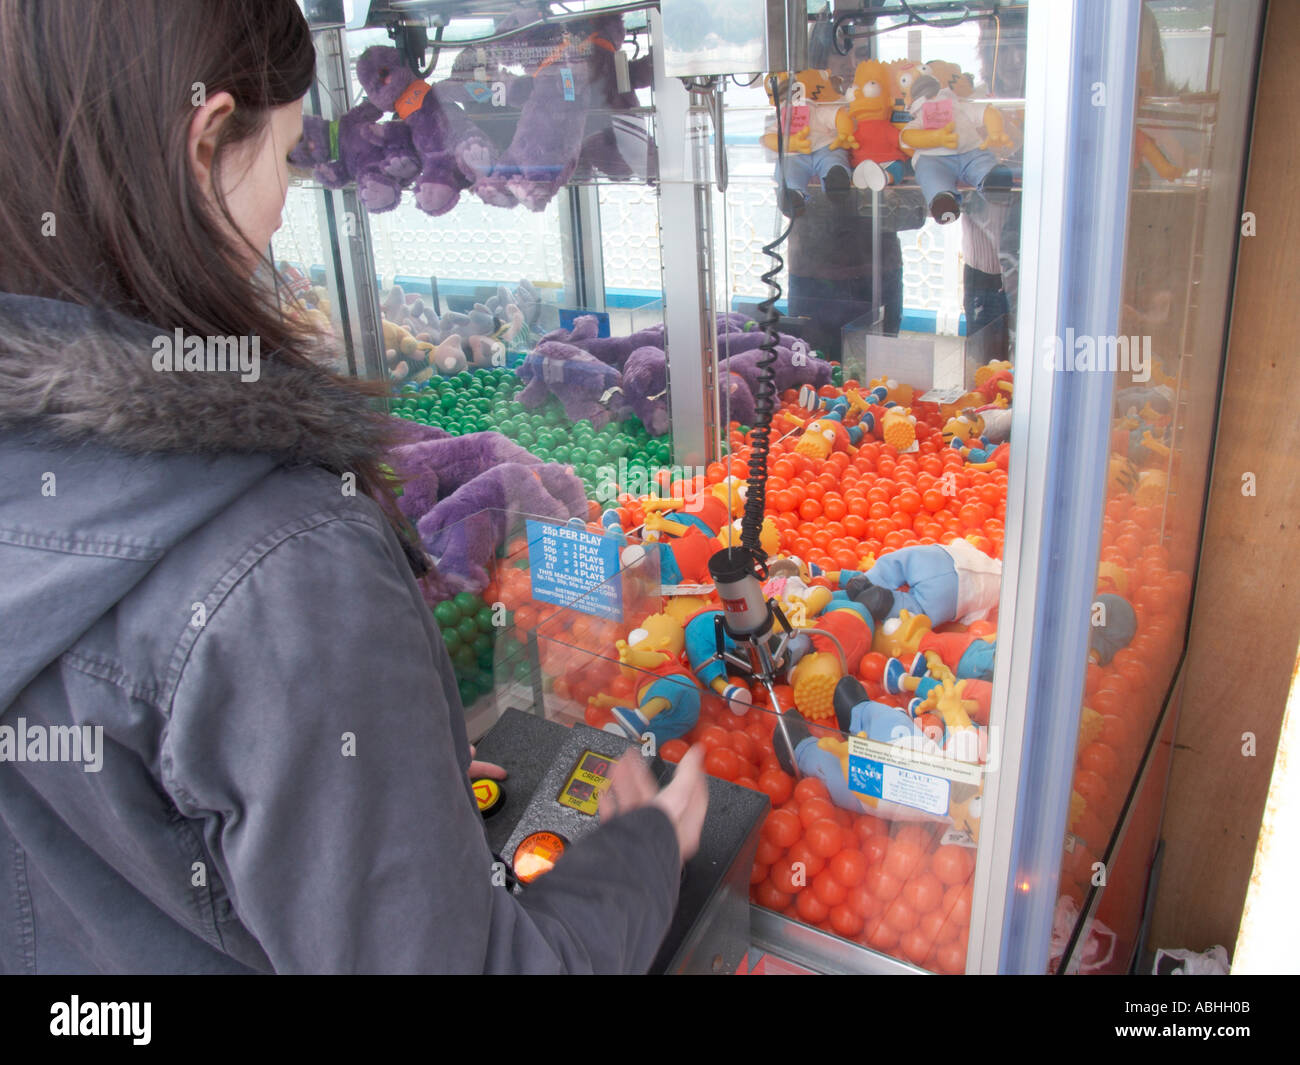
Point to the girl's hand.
(685, 800)
(479, 770)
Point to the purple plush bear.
(615, 144)
(737, 343)
(568, 116)
(614, 351)
(565, 115)
(379, 157)
(738, 349)
(462, 493)
(453, 153)
(790, 370)
(543, 155)
(645, 383)
(644, 363)
(736, 404)
(587, 387)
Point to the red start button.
(537, 854)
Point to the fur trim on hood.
(80, 375)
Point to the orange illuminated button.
(488, 795)
(536, 855)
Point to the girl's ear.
(205, 133)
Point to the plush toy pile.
(884, 526)
(510, 139)
(896, 120)
(603, 379)
(881, 533)
(419, 343)
(884, 529)
(305, 302)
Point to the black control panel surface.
(554, 780)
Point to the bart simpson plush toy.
(877, 156)
(667, 696)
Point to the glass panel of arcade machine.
(505, 586)
(526, 602)
(876, 756)
(482, 256)
(1192, 106)
(871, 741)
(524, 296)
(905, 282)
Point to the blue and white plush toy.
(946, 582)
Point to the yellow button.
(536, 855)
(488, 794)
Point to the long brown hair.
(98, 96)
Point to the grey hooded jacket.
(280, 778)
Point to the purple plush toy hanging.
(379, 157)
(454, 154)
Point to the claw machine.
(832, 384)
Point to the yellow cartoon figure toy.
(876, 153)
(951, 138)
(818, 132)
(823, 436)
(667, 696)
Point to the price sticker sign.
(573, 567)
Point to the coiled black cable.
(751, 526)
